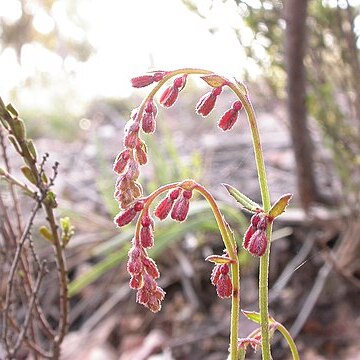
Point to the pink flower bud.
(180, 209)
(148, 123)
(141, 152)
(174, 194)
(247, 236)
(180, 82)
(237, 105)
(136, 281)
(147, 221)
(258, 243)
(224, 287)
(142, 81)
(187, 194)
(163, 209)
(131, 133)
(138, 206)
(146, 237)
(169, 96)
(207, 103)
(133, 170)
(255, 219)
(135, 266)
(121, 161)
(125, 217)
(215, 274)
(228, 119)
(151, 268)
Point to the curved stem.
(290, 341)
(265, 196)
(230, 246)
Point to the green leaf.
(46, 234)
(18, 128)
(15, 143)
(214, 80)
(280, 205)
(218, 259)
(28, 174)
(242, 199)
(32, 149)
(11, 109)
(255, 317)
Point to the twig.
(24, 327)
(10, 280)
(311, 299)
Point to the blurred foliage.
(332, 65)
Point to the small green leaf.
(280, 205)
(214, 80)
(46, 234)
(50, 200)
(244, 201)
(15, 143)
(18, 128)
(255, 317)
(28, 174)
(32, 149)
(218, 259)
(11, 109)
(67, 230)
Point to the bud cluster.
(221, 279)
(144, 272)
(255, 239)
(177, 202)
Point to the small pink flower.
(207, 103)
(180, 209)
(221, 279)
(148, 121)
(125, 217)
(255, 239)
(146, 237)
(121, 161)
(164, 207)
(171, 93)
(147, 79)
(229, 118)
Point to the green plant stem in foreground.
(290, 341)
(265, 196)
(230, 246)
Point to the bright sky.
(129, 37)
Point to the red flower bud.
(180, 82)
(121, 161)
(138, 206)
(136, 281)
(169, 96)
(258, 243)
(207, 103)
(180, 209)
(228, 119)
(163, 209)
(148, 123)
(224, 287)
(141, 152)
(247, 236)
(142, 81)
(125, 217)
(151, 268)
(237, 105)
(174, 194)
(146, 237)
(255, 220)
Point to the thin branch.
(35, 292)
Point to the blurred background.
(66, 67)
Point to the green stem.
(290, 341)
(230, 246)
(265, 196)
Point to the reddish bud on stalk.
(229, 118)
(141, 152)
(121, 161)
(207, 103)
(180, 209)
(221, 279)
(148, 121)
(164, 207)
(170, 95)
(147, 79)
(125, 217)
(255, 239)
(150, 295)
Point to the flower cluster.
(255, 240)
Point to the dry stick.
(33, 346)
(11, 276)
(30, 309)
(12, 191)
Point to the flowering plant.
(133, 203)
